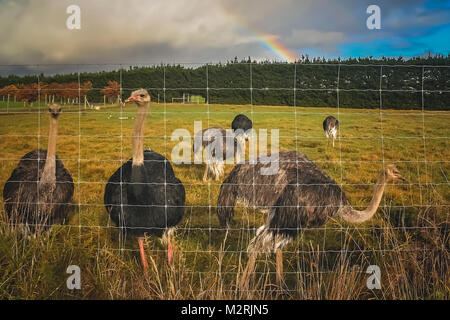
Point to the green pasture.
(94, 143)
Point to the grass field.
(408, 237)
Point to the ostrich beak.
(131, 99)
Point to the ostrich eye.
(142, 95)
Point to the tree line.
(392, 83)
(62, 93)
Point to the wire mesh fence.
(387, 113)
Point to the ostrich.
(331, 127)
(231, 146)
(240, 125)
(218, 147)
(40, 189)
(298, 196)
(143, 196)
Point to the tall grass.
(414, 265)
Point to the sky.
(34, 35)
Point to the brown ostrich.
(298, 196)
(219, 146)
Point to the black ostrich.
(331, 127)
(298, 196)
(143, 196)
(240, 125)
(40, 189)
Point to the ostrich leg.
(169, 242)
(143, 258)
(334, 135)
(205, 175)
(279, 266)
(169, 254)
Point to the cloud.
(304, 38)
(142, 31)
(35, 31)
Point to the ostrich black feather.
(145, 198)
(37, 205)
(241, 122)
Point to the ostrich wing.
(149, 203)
(21, 191)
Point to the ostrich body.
(218, 147)
(240, 125)
(40, 189)
(143, 196)
(331, 127)
(299, 196)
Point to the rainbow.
(271, 42)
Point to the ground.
(408, 237)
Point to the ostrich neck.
(49, 172)
(138, 135)
(355, 216)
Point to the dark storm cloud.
(141, 31)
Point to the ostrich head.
(54, 110)
(140, 97)
(391, 172)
